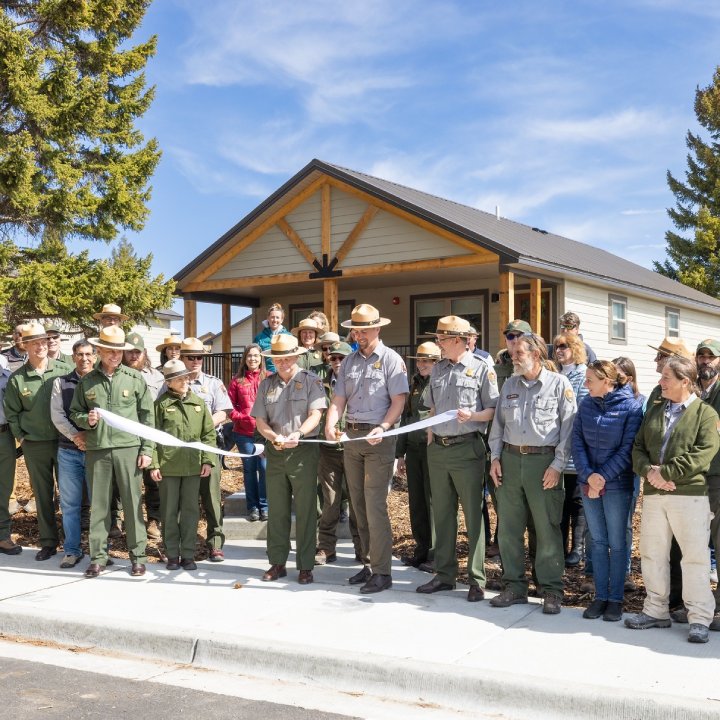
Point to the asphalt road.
(35, 691)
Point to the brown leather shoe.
(275, 572)
(8, 547)
(507, 598)
(173, 563)
(475, 594)
(137, 570)
(434, 586)
(305, 577)
(376, 584)
(93, 570)
(362, 577)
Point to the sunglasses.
(333, 358)
(561, 346)
(516, 335)
(568, 327)
(325, 348)
(193, 357)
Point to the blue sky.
(566, 115)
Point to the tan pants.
(368, 470)
(687, 517)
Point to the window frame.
(622, 299)
(672, 311)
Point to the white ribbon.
(163, 438)
(419, 425)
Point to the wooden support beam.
(356, 232)
(259, 230)
(507, 301)
(330, 302)
(226, 343)
(325, 219)
(190, 311)
(295, 239)
(535, 305)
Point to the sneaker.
(613, 612)
(254, 515)
(698, 633)
(595, 609)
(70, 561)
(507, 598)
(263, 516)
(641, 621)
(572, 559)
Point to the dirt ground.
(25, 531)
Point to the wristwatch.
(301, 435)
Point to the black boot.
(577, 552)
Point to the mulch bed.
(25, 532)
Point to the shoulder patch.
(492, 376)
(569, 394)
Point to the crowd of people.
(561, 443)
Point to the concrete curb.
(400, 679)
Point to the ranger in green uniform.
(287, 408)
(27, 409)
(7, 473)
(411, 453)
(112, 454)
(307, 333)
(178, 470)
(503, 361)
(460, 381)
(529, 446)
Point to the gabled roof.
(514, 242)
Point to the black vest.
(68, 383)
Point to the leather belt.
(530, 449)
(448, 440)
(4, 427)
(360, 426)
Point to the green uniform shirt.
(693, 443)
(311, 360)
(127, 395)
(27, 401)
(417, 408)
(503, 368)
(187, 419)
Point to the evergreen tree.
(695, 261)
(71, 89)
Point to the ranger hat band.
(32, 331)
(110, 309)
(111, 338)
(174, 369)
(454, 326)
(365, 316)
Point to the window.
(429, 309)
(672, 322)
(617, 320)
(296, 313)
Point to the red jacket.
(242, 394)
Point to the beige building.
(330, 238)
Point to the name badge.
(512, 397)
(170, 409)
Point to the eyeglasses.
(561, 346)
(193, 357)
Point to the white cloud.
(658, 211)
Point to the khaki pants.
(713, 482)
(687, 517)
(368, 469)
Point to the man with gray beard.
(707, 357)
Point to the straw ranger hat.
(168, 341)
(426, 351)
(328, 338)
(110, 309)
(306, 324)
(453, 326)
(174, 369)
(32, 331)
(673, 346)
(111, 338)
(283, 346)
(192, 346)
(363, 317)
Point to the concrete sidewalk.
(437, 649)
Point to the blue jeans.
(71, 478)
(253, 474)
(607, 521)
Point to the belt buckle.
(523, 449)
(444, 441)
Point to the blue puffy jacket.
(603, 436)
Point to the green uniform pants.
(180, 512)
(292, 473)
(120, 465)
(457, 473)
(369, 469)
(331, 474)
(7, 480)
(211, 499)
(521, 497)
(419, 500)
(41, 462)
